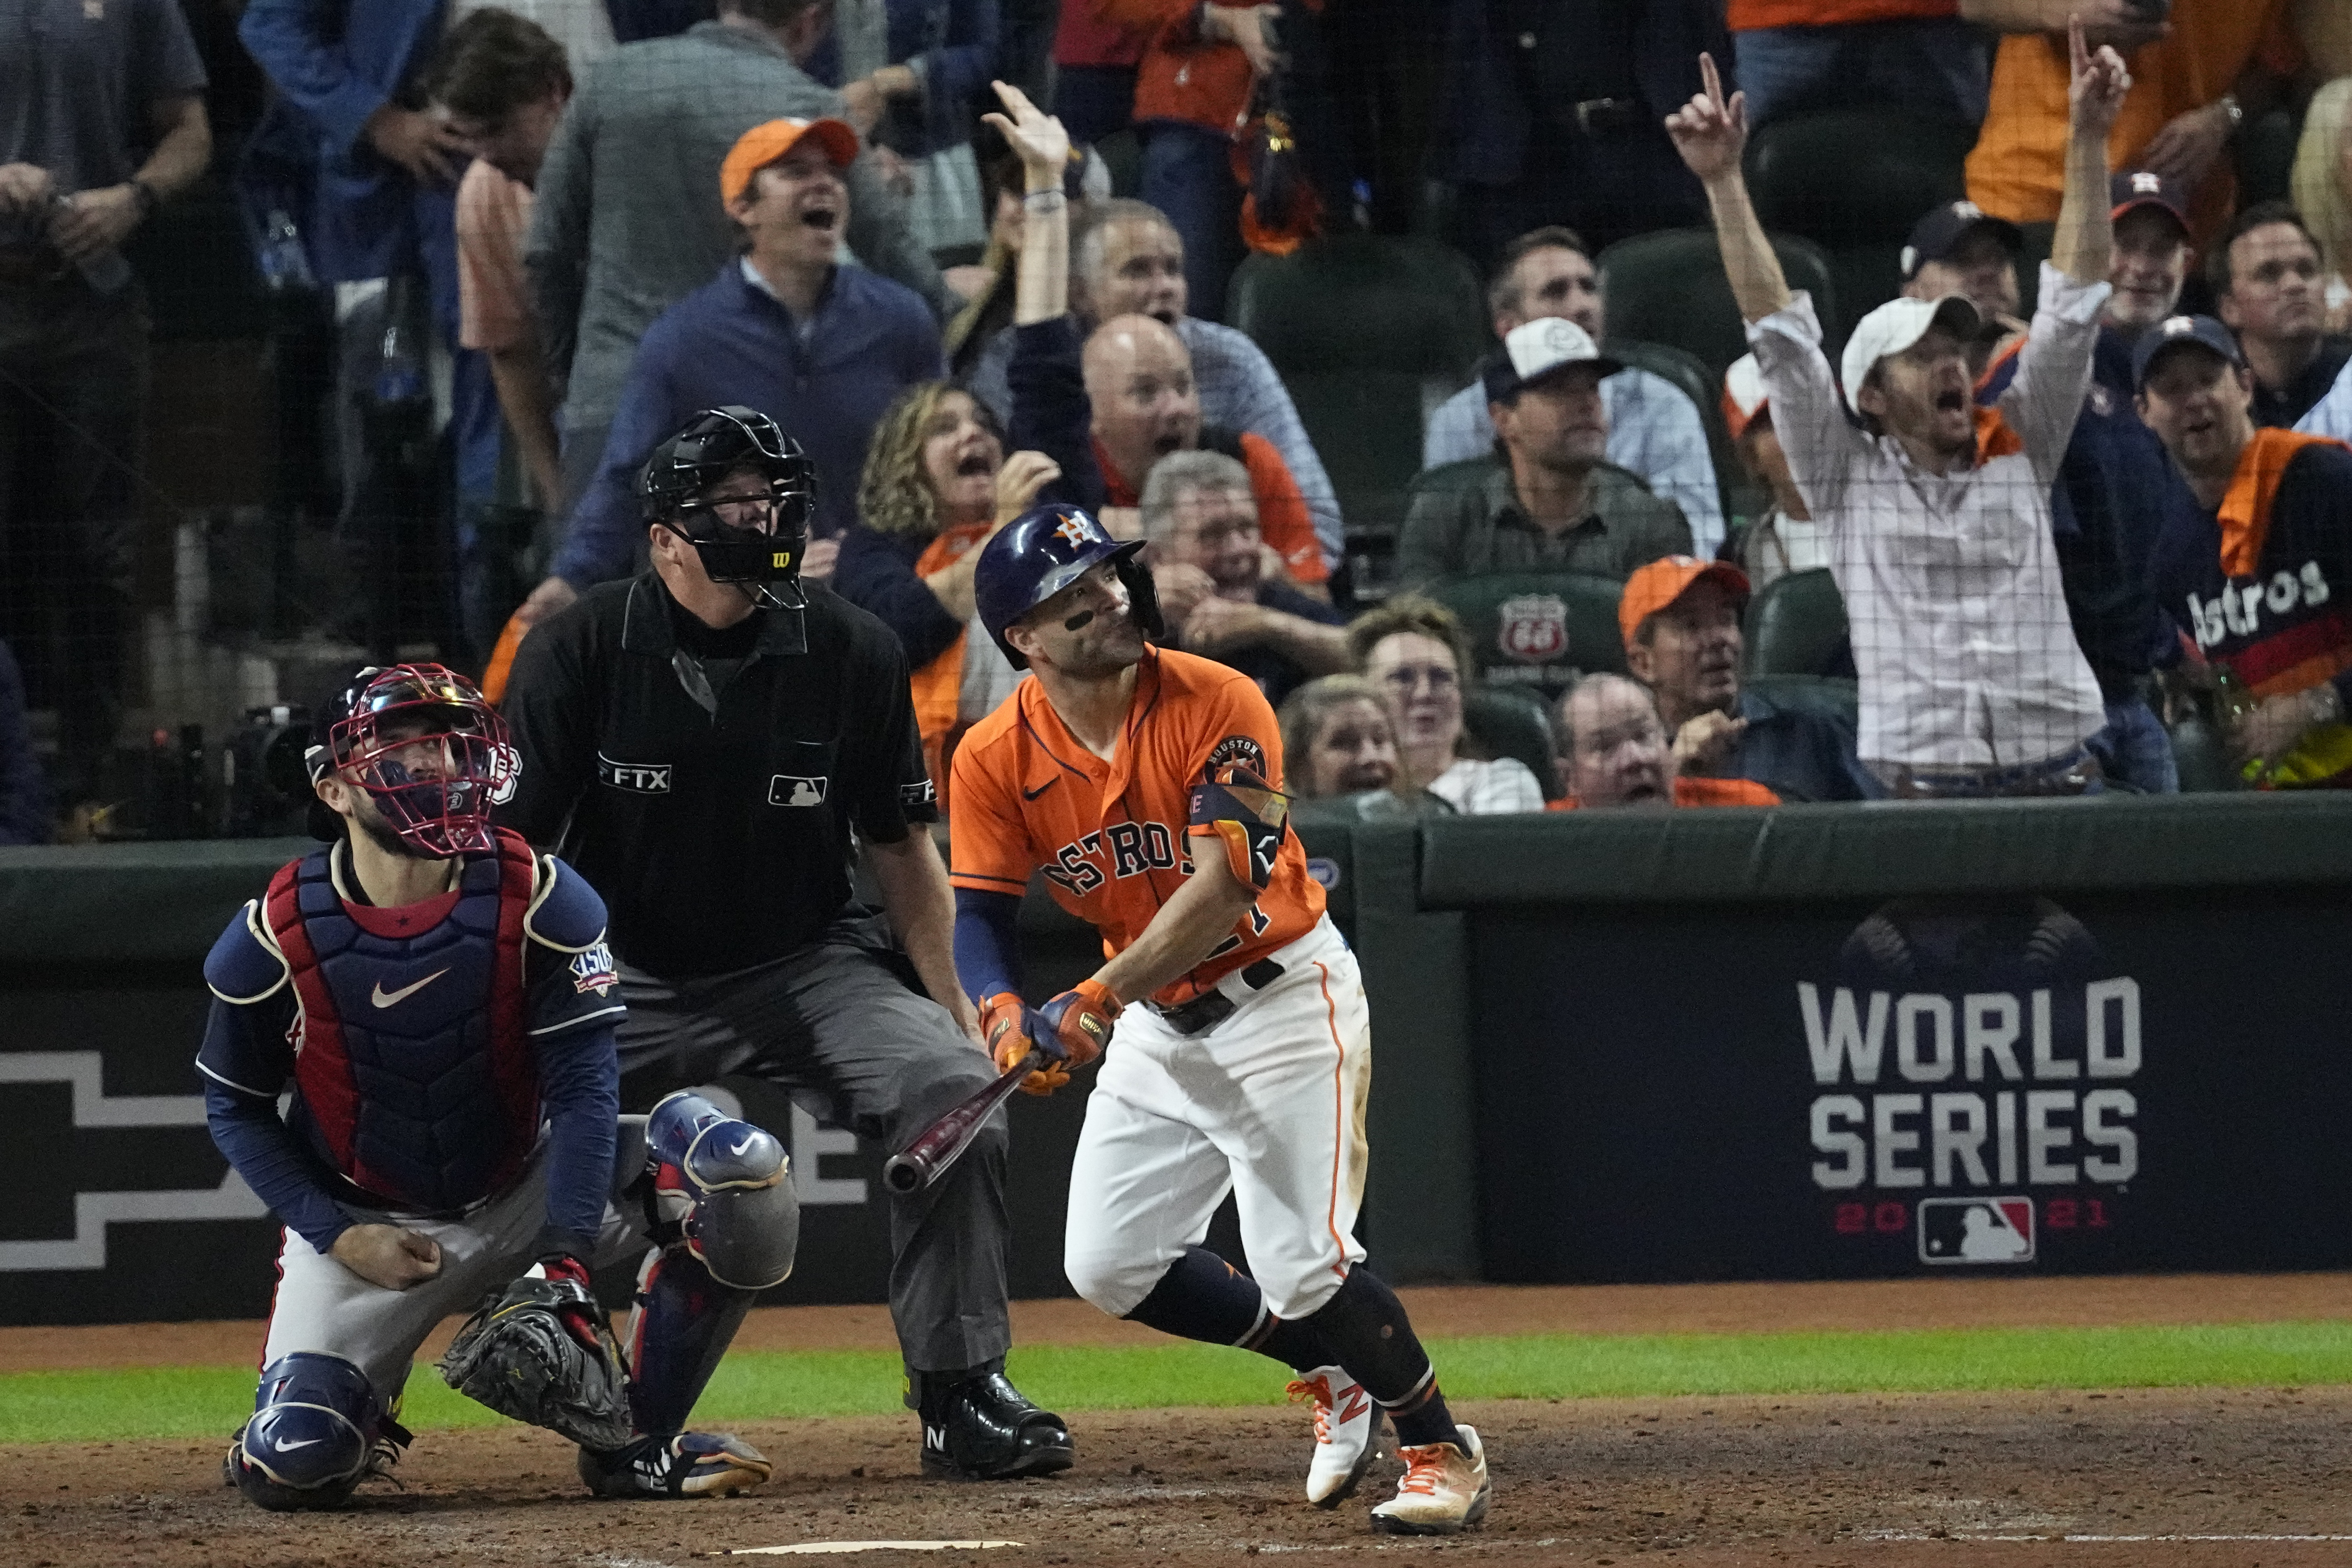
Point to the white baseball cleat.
(1347, 1429)
(1444, 1491)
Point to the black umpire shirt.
(706, 784)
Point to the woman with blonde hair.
(2322, 188)
(936, 485)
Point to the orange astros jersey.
(1113, 836)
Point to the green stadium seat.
(1855, 180)
(1367, 331)
(1122, 155)
(1537, 629)
(1701, 387)
(2203, 759)
(1797, 627)
(1669, 287)
(1510, 721)
(1836, 696)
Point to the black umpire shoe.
(978, 1427)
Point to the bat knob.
(905, 1175)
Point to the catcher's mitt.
(516, 1355)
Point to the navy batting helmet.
(1042, 551)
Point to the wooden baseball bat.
(940, 1144)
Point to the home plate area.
(2131, 1478)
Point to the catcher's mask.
(427, 748)
(756, 538)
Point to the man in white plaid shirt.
(1971, 680)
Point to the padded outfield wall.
(1818, 1042)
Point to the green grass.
(206, 1401)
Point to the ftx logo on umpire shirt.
(637, 778)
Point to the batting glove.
(1075, 1026)
(1004, 1023)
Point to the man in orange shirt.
(1145, 783)
(1795, 54)
(1613, 751)
(1146, 404)
(2195, 81)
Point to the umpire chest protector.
(413, 1058)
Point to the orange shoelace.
(1319, 1389)
(1424, 1469)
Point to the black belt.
(1211, 1008)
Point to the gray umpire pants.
(836, 1025)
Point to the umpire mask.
(738, 490)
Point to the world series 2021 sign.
(1923, 1086)
(1931, 1079)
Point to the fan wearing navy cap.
(1547, 499)
(2117, 489)
(1960, 248)
(2257, 576)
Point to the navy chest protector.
(413, 1059)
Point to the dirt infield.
(2001, 1480)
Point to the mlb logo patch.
(788, 789)
(1976, 1230)
(592, 970)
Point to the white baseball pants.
(1268, 1104)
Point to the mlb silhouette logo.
(789, 789)
(1976, 1230)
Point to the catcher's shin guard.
(682, 1324)
(727, 1186)
(315, 1427)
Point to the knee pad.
(727, 1186)
(314, 1428)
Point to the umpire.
(710, 742)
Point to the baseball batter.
(438, 999)
(1145, 782)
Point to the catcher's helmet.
(712, 445)
(427, 747)
(1042, 551)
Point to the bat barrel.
(906, 1175)
(927, 1159)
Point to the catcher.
(437, 999)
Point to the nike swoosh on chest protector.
(384, 998)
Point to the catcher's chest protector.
(411, 1053)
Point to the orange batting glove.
(1004, 1023)
(1076, 1025)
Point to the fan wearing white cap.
(1653, 425)
(1548, 500)
(1971, 680)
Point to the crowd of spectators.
(2065, 505)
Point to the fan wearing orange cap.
(1680, 620)
(1786, 538)
(783, 329)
